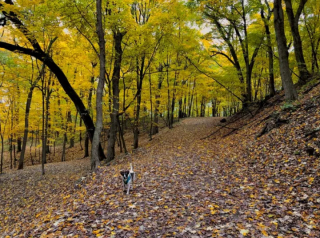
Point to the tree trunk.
(43, 157)
(140, 76)
(155, 128)
(136, 123)
(197, 112)
(203, 107)
(271, 67)
(122, 138)
(289, 89)
(168, 85)
(10, 150)
(86, 143)
(63, 155)
(117, 37)
(38, 53)
(214, 104)
(26, 128)
(151, 104)
(102, 58)
(191, 98)
(19, 145)
(86, 146)
(54, 148)
(248, 83)
(80, 135)
(31, 148)
(180, 114)
(269, 50)
(297, 43)
(14, 156)
(71, 134)
(1, 160)
(48, 94)
(315, 64)
(74, 131)
(35, 143)
(173, 101)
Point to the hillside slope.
(251, 176)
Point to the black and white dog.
(128, 176)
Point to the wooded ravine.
(215, 103)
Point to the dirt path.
(232, 186)
(26, 194)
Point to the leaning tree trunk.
(117, 36)
(289, 89)
(39, 54)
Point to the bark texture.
(297, 43)
(102, 58)
(117, 37)
(289, 89)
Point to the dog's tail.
(131, 172)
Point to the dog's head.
(125, 173)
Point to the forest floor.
(250, 177)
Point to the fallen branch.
(222, 126)
(274, 122)
(312, 87)
(231, 132)
(312, 132)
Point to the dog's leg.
(128, 188)
(132, 179)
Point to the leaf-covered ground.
(231, 184)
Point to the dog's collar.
(127, 180)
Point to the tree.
(311, 20)
(117, 37)
(27, 112)
(102, 59)
(297, 43)
(38, 53)
(266, 22)
(141, 13)
(289, 89)
(232, 24)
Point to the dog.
(128, 177)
